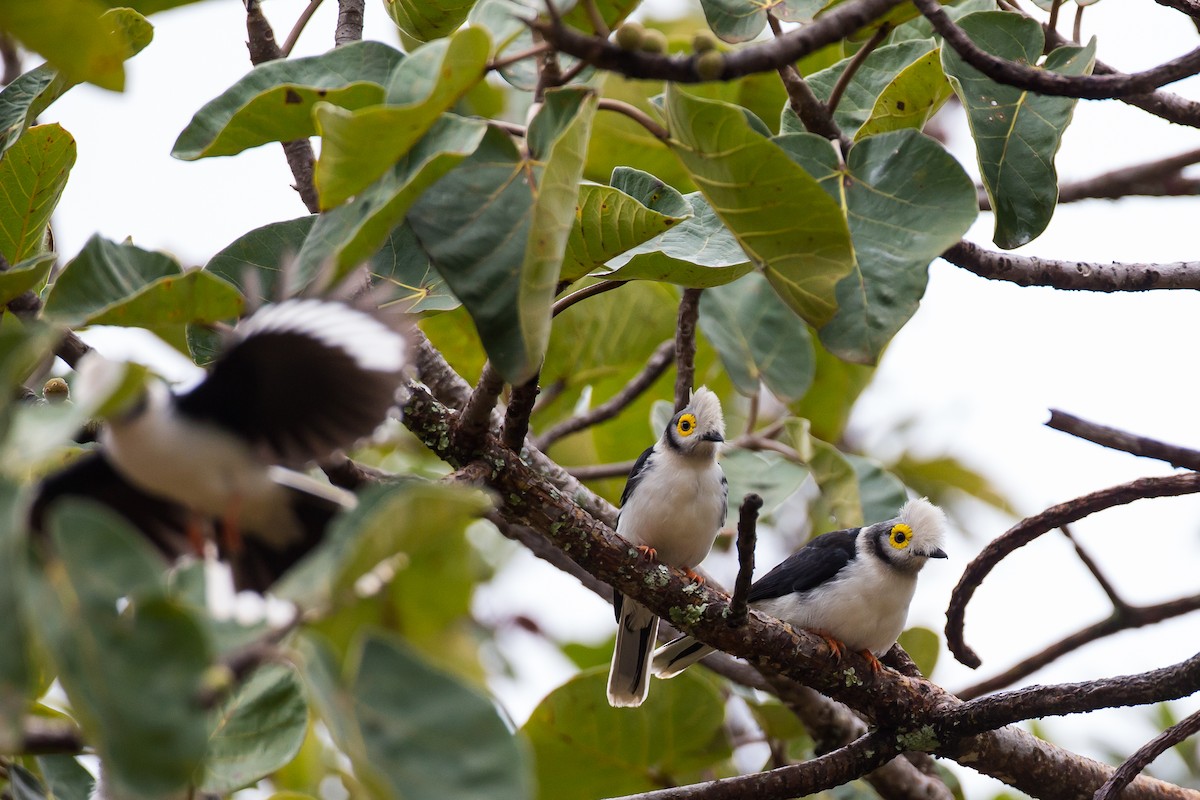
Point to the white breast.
(865, 606)
(676, 509)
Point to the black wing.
(92, 477)
(637, 473)
(810, 566)
(294, 393)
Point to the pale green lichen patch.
(851, 677)
(688, 615)
(658, 577)
(923, 739)
(693, 588)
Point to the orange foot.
(195, 534)
(648, 553)
(695, 576)
(836, 647)
(872, 661)
(231, 533)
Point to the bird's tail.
(677, 655)
(259, 562)
(629, 675)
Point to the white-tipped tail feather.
(629, 676)
(677, 655)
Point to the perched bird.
(851, 587)
(298, 381)
(672, 508)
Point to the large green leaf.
(1017, 133)
(149, 6)
(586, 749)
(497, 227)
(610, 220)
(23, 346)
(29, 275)
(759, 338)
(16, 668)
(425, 20)
(358, 147)
(257, 730)
(274, 101)
(349, 234)
(66, 778)
(23, 99)
(618, 141)
(735, 20)
(74, 35)
(770, 475)
(121, 284)
(907, 200)
(911, 99)
(132, 676)
(880, 492)
(835, 389)
(33, 174)
(408, 738)
(783, 220)
(698, 252)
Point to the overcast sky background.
(975, 370)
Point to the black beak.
(938, 553)
(713, 437)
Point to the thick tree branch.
(747, 532)
(685, 347)
(1182, 457)
(1090, 87)
(1073, 275)
(1172, 736)
(1029, 529)
(516, 416)
(477, 415)
(349, 22)
(816, 116)
(663, 355)
(832, 26)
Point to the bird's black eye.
(900, 536)
(686, 425)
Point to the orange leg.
(835, 646)
(696, 576)
(647, 552)
(231, 534)
(195, 534)
(872, 661)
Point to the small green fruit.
(710, 65)
(703, 41)
(629, 36)
(654, 41)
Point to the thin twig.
(599, 26)
(10, 57)
(596, 472)
(635, 114)
(591, 290)
(476, 417)
(1042, 81)
(1125, 773)
(1077, 27)
(663, 356)
(290, 42)
(1103, 435)
(1052, 22)
(508, 61)
(746, 536)
(349, 22)
(1110, 591)
(685, 346)
(511, 128)
(1029, 529)
(839, 88)
(802, 100)
(516, 416)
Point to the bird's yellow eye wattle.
(900, 536)
(686, 424)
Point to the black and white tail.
(629, 675)
(677, 655)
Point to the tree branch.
(596, 472)
(1089, 87)
(1073, 275)
(832, 26)
(1182, 457)
(591, 290)
(635, 114)
(746, 535)
(477, 415)
(349, 22)
(1147, 753)
(1029, 529)
(685, 346)
(516, 416)
(294, 35)
(663, 355)
(816, 116)
(839, 88)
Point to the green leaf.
(274, 101)
(148, 7)
(350, 234)
(406, 737)
(840, 504)
(33, 174)
(735, 20)
(779, 214)
(121, 284)
(23, 346)
(618, 141)
(770, 475)
(425, 20)
(585, 749)
(940, 477)
(74, 35)
(907, 200)
(29, 275)
(16, 667)
(131, 676)
(880, 492)
(497, 226)
(699, 252)
(255, 731)
(923, 646)
(358, 147)
(758, 337)
(66, 778)
(911, 99)
(610, 220)
(835, 388)
(1017, 133)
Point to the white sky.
(977, 368)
